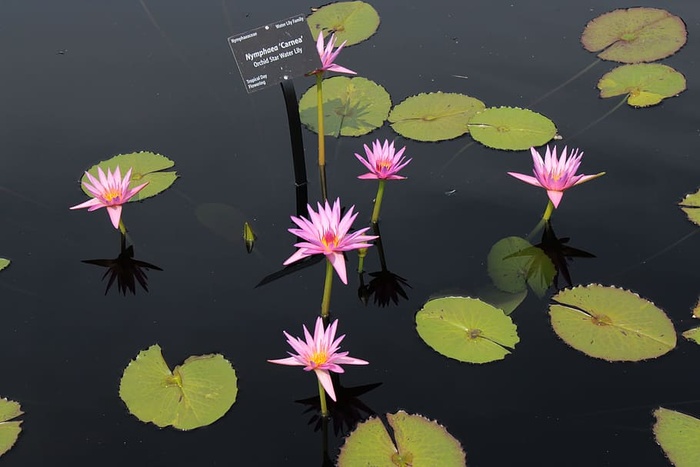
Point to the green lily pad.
(436, 116)
(691, 206)
(678, 435)
(645, 84)
(9, 430)
(145, 167)
(696, 310)
(511, 128)
(4, 263)
(194, 394)
(419, 443)
(611, 323)
(513, 264)
(351, 106)
(693, 335)
(635, 35)
(353, 22)
(466, 329)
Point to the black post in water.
(290, 99)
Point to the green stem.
(322, 397)
(321, 135)
(378, 201)
(548, 211)
(326, 301)
(361, 253)
(122, 227)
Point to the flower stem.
(548, 211)
(122, 227)
(326, 301)
(361, 253)
(321, 135)
(322, 397)
(378, 201)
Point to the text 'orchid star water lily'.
(555, 175)
(328, 56)
(326, 233)
(320, 354)
(110, 191)
(383, 162)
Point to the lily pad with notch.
(511, 128)
(611, 323)
(353, 22)
(9, 428)
(691, 206)
(678, 434)
(645, 84)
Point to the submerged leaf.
(511, 128)
(645, 83)
(436, 116)
(466, 329)
(419, 443)
(634, 35)
(611, 323)
(4, 263)
(353, 22)
(351, 106)
(678, 435)
(513, 263)
(194, 394)
(145, 167)
(9, 430)
(691, 206)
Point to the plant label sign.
(271, 54)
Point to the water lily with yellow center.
(383, 161)
(109, 191)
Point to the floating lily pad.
(419, 442)
(691, 206)
(693, 335)
(678, 435)
(351, 106)
(436, 116)
(611, 323)
(511, 128)
(634, 35)
(513, 263)
(353, 22)
(9, 430)
(645, 84)
(4, 263)
(145, 167)
(195, 394)
(466, 329)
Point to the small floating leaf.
(511, 128)
(145, 167)
(466, 329)
(691, 206)
(678, 435)
(351, 106)
(248, 237)
(645, 83)
(611, 323)
(693, 335)
(4, 263)
(9, 430)
(353, 22)
(194, 394)
(634, 35)
(419, 443)
(436, 116)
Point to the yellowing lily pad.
(436, 116)
(145, 167)
(351, 106)
(634, 35)
(693, 335)
(4, 263)
(194, 394)
(645, 84)
(678, 435)
(691, 206)
(511, 128)
(513, 263)
(353, 22)
(611, 323)
(466, 329)
(9, 430)
(419, 442)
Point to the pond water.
(84, 81)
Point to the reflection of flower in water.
(126, 270)
(558, 252)
(386, 287)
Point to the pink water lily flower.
(383, 162)
(326, 233)
(554, 175)
(328, 56)
(320, 354)
(110, 191)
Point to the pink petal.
(89, 203)
(115, 213)
(325, 378)
(526, 179)
(338, 263)
(290, 361)
(368, 176)
(299, 254)
(555, 197)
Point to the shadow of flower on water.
(559, 253)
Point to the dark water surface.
(83, 81)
